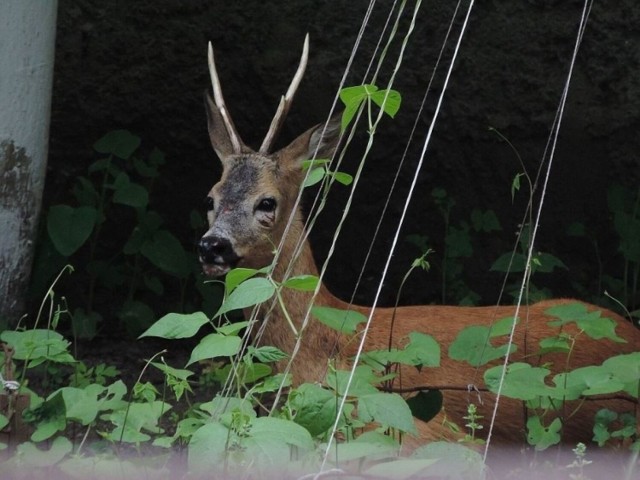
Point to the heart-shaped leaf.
(70, 227)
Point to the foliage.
(122, 243)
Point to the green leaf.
(165, 252)
(232, 328)
(236, 276)
(455, 461)
(315, 176)
(602, 422)
(369, 445)
(426, 404)
(473, 343)
(269, 429)
(133, 422)
(592, 323)
(179, 373)
(120, 143)
(388, 409)
(589, 380)
(388, 100)
(215, 345)
(131, 194)
(486, 221)
(345, 321)
(540, 436)
(50, 415)
(361, 384)
(70, 227)
(176, 325)
(400, 469)
(207, 447)
(37, 345)
(304, 283)
(343, 178)
(521, 381)
(267, 354)
(626, 368)
(546, 263)
(32, 456)
(315, 407)
(502, 263)
(249, 293)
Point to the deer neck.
(319, 343)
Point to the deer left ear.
(320, 141)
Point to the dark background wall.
(142, 66)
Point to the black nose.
(216, 250)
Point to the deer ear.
(320, 141)
(220, 140)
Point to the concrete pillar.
(27, 44)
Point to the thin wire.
(397, 234)
(554, 139)
(404, 155)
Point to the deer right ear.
(218, 135)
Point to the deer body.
(248, 211)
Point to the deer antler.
(285, 101)
(219, 100)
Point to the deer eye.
(267, 205)
(209, 204)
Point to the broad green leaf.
(180, 373)
(486, 221)
(315, 407)
(131, 194)
(473, 344)
(69, 228)
(602, 422)
(509, 263)
(369, 445)
(245, 373)
(343, 178)
(272, 383)
(215, 345)
(426, 404)
(554, 345)
(521, 381)
(269, 429)
(455, 461)
(4, 421)
(120, 143)
(590, 380)
(236, 276)
(388, 409)
(249, 293)
(207, 449)
(592, 323)
(401, 469)
(540, 436)
(361, 384)
(547, 263)
(138, 418)
(82, 404)
(232, 328)
(50, 417)
(344, 321)
(422, 350)
(165, 252)
(222, 408)
(388, 100)
(305, 283)
(626, 368)
(316, 175)
(37, 345)
(177, 325)
(267, 354)
(32, 456)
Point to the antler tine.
(285, 101)
(219, 100)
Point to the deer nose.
(216, 250)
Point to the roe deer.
(248, 210)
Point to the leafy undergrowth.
(87, 423)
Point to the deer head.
(249, 208)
